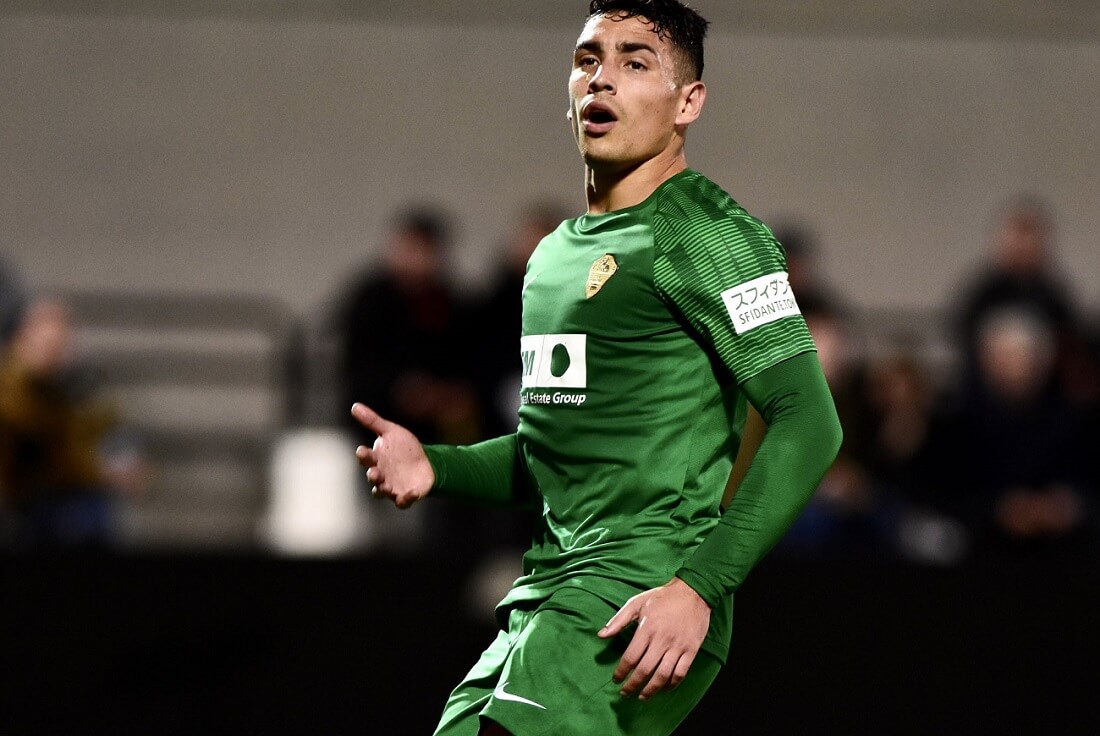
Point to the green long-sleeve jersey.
(640, 328)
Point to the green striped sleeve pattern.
(705, 243)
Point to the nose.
(602, 80)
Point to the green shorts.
(549, 673)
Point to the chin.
(604, 160)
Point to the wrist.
(682, 584)
(701, 586)
(437, 464)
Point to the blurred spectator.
(901, 402)
(496, 319)
(401, 347)
(61, 467)
(494, 333)
(1092, 400)
(402, 352)
(1019, 461)
(814, 294)
(11, 301)
(905, 422)
(847, 514)
(1021, 274)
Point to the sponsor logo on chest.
(554, 362)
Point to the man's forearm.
(487, 472)
(801, 442)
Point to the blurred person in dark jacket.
(1020, 462)
(905, 454)
(12, 298)
(399, 328)
(402, 332)
(847, 514)
(495, 319)
(1021, 273)
(56, 481)
(800, 245)
(495, 535)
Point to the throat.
(611, 190)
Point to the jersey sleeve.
(801, 442)
(489, 472)
(725, 273)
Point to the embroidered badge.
(602, 270)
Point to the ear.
(692, 97)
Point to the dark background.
(251, 644)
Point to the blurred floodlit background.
(205, 180)
(205, 202)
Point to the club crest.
(602, 270)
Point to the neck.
(610, 190)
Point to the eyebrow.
(626, 47)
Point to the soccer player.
(653, 325)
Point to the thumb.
(619, 621)
(369, 418)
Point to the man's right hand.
(396, 465)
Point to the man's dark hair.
(427, 222)
(672, 21)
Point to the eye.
(636, 65)
(587, 61)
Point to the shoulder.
(694, 213)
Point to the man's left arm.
(800, 444)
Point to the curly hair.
(672, 21)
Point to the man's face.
(625, 100)
(1020, 244)
(43, 342)
(1015, 360)
(414, 259)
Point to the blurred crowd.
(989, 456)
(66, 458)
(441, 360)
(986, 457)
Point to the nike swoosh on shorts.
(500, 694)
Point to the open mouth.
(598, 118)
